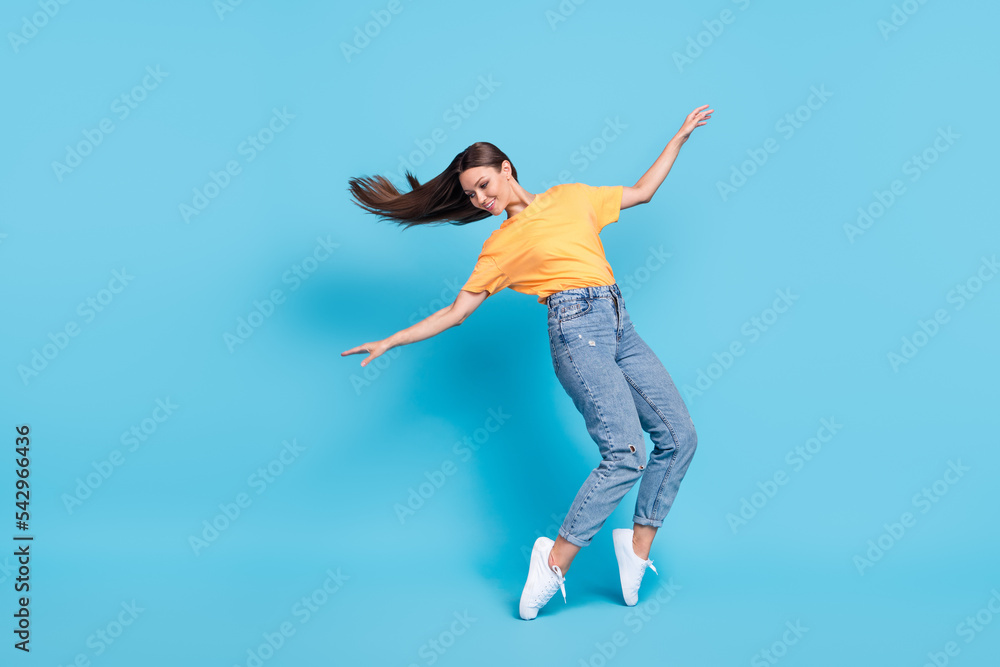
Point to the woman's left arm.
(645, 187)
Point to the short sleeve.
(606, 201)
(486, 276)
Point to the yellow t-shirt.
(552, 244)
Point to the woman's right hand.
(374, 349)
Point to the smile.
(489, 207)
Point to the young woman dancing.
(549, 246)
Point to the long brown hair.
(440, 199)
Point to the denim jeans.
(622, 390)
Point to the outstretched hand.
(373, 349)
(696, 118)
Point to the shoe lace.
(546, 592)
(637, 575)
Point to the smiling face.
(486, 187)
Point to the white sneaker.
(542, 580)
(630, 566)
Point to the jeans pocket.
(567, 310)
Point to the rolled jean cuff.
(572, 539)
(643, 521)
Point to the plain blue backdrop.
(213, 484)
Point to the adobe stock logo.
(968, 629)
(796, 458)
(779, 648)
(753, 328)
(230, 511)
(787, 125)
(87, 310)
(374, 370)
(636, 618)
(105, 468)
(454, 116)
(437, 477)
(30, 27)
(223, 7)
(562, 13)
(914, 167)
(121, 106)
(899, 17)
(264, 309)
(587, 153)
(960, 295)
(381, 18)
(108, 633)
(435, 647)
(714, 28)
(306, 608)
(924, 500)
(250, 148)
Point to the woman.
(549, 246)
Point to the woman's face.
(486, 187)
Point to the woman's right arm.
(451, 315)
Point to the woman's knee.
(627, 466)
(683, 435)
(691, 437)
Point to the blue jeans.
(622, 390)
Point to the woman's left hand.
(696, 118)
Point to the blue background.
(368, 437)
